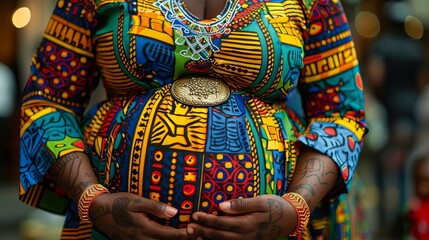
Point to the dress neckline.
(186, 10)
(225, 13)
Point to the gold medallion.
(200, 91)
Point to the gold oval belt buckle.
(200, 91)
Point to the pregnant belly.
(192, 158)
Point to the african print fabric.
(290, 64)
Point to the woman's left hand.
(261, 217)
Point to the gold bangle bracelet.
(86, 200)
(302, 210)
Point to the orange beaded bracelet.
(302, 210)
(87, 198)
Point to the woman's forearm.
(315, 176)
(73, 173)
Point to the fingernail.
(225, 206)
(170, 211)
(190, 230)
(195, 217)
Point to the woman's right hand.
(128, 216)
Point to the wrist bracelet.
(302, 211)
(87, 198)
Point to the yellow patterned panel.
(147, 5)
(271, 138)
(180, 127)
(255, 163)
(93, 128)
(141, 139)
(69, 35)
(288, 20)
(150, 24)
(330, 63)
(241, 52)
(114, 77)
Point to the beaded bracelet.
(86, 199)
(302, 210)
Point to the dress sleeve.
(331, 87)
(53, 101)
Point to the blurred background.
(392, 40)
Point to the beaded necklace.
(199, 37)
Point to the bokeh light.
(414, 27)
(21, 17)
(367, 24)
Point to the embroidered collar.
(198, 36)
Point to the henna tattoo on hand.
(273, 226)
(119, 212)
(99, 212)
(276, 212)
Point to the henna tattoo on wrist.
(305, 190)
(119, 212)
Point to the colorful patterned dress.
(294, 79)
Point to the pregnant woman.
(224, 119)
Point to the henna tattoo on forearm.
(68, 170)
(315, 167)
(60, 165)
(312, 175)
(119, 212)
(75, 189)
(315, 176)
